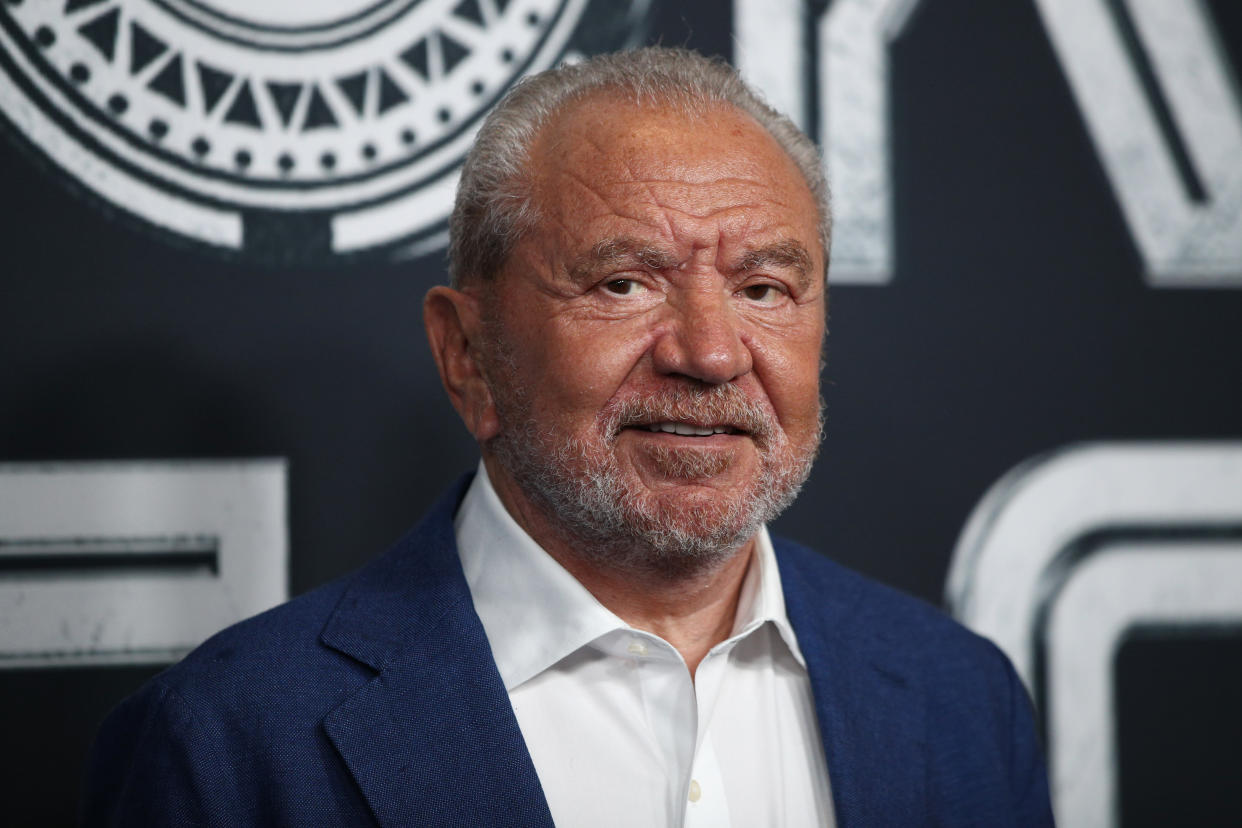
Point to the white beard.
(615, 522)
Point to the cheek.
(579, 366)
(789, 371)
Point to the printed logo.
(135, 562)
(1158, 97)
(290, 132)
(1153, 82)
(836, 90)
(1069, 555)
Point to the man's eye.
(761, 292)
(623, 287)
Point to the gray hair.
(494, 208)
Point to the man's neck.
(693, 611)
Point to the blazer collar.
(432, 738)
(870, 719)
(437, 709)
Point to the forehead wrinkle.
(590, 186)
(668, 220)
(621, 204)
(709, 184)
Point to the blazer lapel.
(432, 738)
(870, 719)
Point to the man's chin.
(712, 501)
(692, 520)
(671, 511)
(666, 527)
(696, 471)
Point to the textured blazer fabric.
(375, 700)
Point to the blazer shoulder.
(903, 625)
(956, 689)
(194, 745)
(269, 654)
(297, 647)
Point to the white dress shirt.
(619, 732)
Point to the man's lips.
(689, 429)
(714, 415)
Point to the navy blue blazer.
(375, 699)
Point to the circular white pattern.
(303, 14)
(265, 110)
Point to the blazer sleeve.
(155, 762)
(1028, 771)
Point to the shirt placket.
(705, 801)
(671, 712)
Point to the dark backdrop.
(1018, 321)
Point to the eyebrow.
(623, 250)
(788, 254)
(620, 251)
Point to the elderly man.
(597, 629)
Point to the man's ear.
(454, 330)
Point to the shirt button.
(637, 648)
(695, 790)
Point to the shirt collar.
(762, 600)
(535, 613)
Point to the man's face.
(654, 345)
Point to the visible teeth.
(687, 430)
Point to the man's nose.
(703, 341)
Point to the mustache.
(717, 405)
